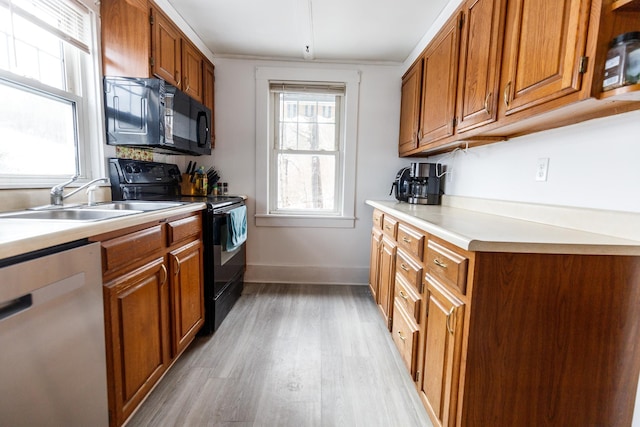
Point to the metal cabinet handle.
(449, 315)
(165, 274)
(177, 78)
(186, 82)
(404, 267)
(505, 94)
(486, 103)
(404, 239)
(177, 264)
(403, 296)
(439, 263)
(403, 338)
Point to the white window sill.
(263, 220)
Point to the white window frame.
(264, 142)
(89, 115)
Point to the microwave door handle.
(206, 128)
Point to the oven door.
(224, 270)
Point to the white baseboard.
(306, 274)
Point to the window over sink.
(50, 120)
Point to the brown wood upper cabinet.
(410, 107)
(175, 59)
(520, 66)
(166, 48)
(545, 41)
(439, 80)
(479, 69)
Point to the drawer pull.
(388, 227)
(439, 263)
(404, 267)
(449, 315)
(404, 239)
(403, 296)
(403, 338)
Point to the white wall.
(592, 164)
(322, 255)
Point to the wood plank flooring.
(290, 355)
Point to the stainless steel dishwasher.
(52, 351)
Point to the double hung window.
(49, 88)
(306, 128)
(307, 149)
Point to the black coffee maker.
(419, 183)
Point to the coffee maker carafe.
(420, 183)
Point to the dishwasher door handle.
(15, 306)
(40, 296)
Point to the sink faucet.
(57, 195)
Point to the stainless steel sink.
(99, 212)
(69, 214)
(135, 205)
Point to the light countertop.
(485, 232)
(20, 236)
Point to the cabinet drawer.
(412, 241)
(183, 229)
(378, 216)
(448, 266)
(390, 226)
(132, 247)
(405, 336)
(407, 297)
(409, 269)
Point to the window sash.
(66, 19)
(276, 90)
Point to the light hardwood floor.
(290, 355)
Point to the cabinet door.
(374, 263)
(137, 335)
(387, 278)
(125, 38)
(192, 70)
(166, 48)
(410, 108)
(480, 58)
(187, 294)
(545, 40)
(441, 366)
(440, 77)
(208, 96)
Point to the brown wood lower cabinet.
(137, 332)
(515, 339)
(153, 304)
(438, 384)
(187, 294)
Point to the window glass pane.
(38, 54)
(42, 146)
(307, 121)
(306, 182)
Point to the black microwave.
(151, 113)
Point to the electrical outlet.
(542, 169)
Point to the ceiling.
(375, 31)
